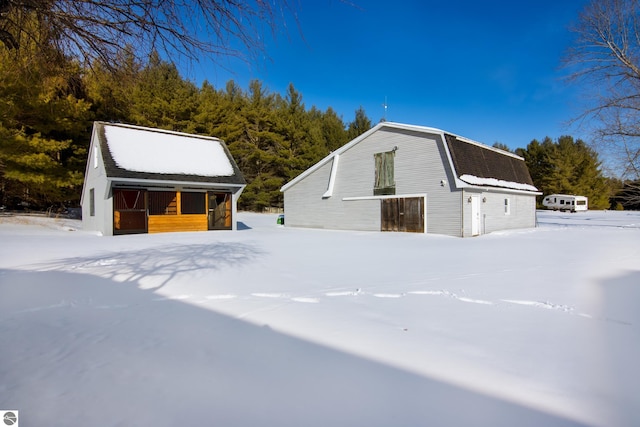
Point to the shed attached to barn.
(144, 180)
(399, 177)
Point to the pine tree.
(162, 98)
(333, 130)
(567, 167)
(43, 130)
(109, 90)
(359, 125)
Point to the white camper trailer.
(566, 202)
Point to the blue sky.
(487, 70)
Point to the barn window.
(92, 202)
(193, 203)
(163, 203)
(507, 207)
(384, 180)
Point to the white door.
(475, 215)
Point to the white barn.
(144, 180)
(399, 177)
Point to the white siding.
(304, 205)
(420, 167)
(96, 179)
(492, 211)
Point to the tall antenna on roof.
(384, 118)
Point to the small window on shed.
(385, 183)
(507, 207)
(163, 203)
(92, 202)
(95, 157)
(193, 203)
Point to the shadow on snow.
(87, 350)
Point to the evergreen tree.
(567, 167)
(359, 125)
(162, 98)
(110, 90)
(333, 130)
(259, 149)
(43, 130)
(501, 146)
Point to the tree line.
(47, 112)
(66, 63)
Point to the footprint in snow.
(306, 300)
(475, 301)
(173, 297)
(221, 297)
(269, 295)
(344, 293)
(538, 304)
(388, 295)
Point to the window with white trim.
(507, 206)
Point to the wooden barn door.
(413, 209)
(403, 214)
(129, 211)
(220, 211)
(389, 214)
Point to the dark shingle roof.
(484, 162)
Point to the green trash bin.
(280, 219)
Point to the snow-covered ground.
(276, 326)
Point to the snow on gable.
(492, 182)
(141, 150)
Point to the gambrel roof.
(474, 164)
(479, 164)
(135, 152)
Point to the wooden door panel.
(129, 211)
(402, 214)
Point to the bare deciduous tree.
(97, 30)
(606, 60)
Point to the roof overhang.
(156, 183)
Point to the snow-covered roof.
(147, 153)
(492, 182)
(152, 151)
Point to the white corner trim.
(332, 177)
